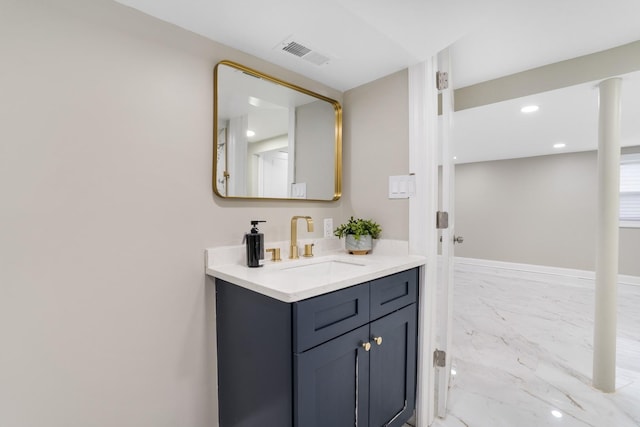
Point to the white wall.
(106, 208)
(538, 210)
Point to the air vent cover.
(296, 49)
(301, 51)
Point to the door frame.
(446, 260)
(424, 235)
(423, 163)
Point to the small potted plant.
(358, 234)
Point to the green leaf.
(358, 227)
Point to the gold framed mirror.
(273, 139)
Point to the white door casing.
(444, 306)
(426, 133)
(423, 236)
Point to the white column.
(604, 341)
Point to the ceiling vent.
(304, 52)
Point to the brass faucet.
(293, 247)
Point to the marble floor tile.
(523, 348)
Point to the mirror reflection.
(273, 139)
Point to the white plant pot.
(358, 246)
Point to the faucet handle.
(275, 254)
(308, 250)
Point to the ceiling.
(368, 39)
(568, 115)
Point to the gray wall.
(376, 130)
(315, 155)
(539, 210)
(106, 154)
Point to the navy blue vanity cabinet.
(255, 364)
(346, 358)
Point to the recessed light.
(559, 145)
(250, 133)
(530, 109)
(556, 413)
(254, 101)
(453, 372)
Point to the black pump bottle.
(254, 241)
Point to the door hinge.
(442, 220)
(440, 358)
(442, 80)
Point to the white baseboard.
(542, 269)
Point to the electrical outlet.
(328, 227)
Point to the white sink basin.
(324, 267)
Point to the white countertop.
(294, 280)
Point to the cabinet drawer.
(391, 293)
(324, 317)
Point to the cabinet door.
(393, 368)
(332, 383)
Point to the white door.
(273, 172)
(445, 274)
(427, 130)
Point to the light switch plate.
(299, 190)
(402, 186)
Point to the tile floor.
(523, 353)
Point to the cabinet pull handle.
(397, 415)
(366, 346)
(377, 340)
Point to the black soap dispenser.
(254, 241)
